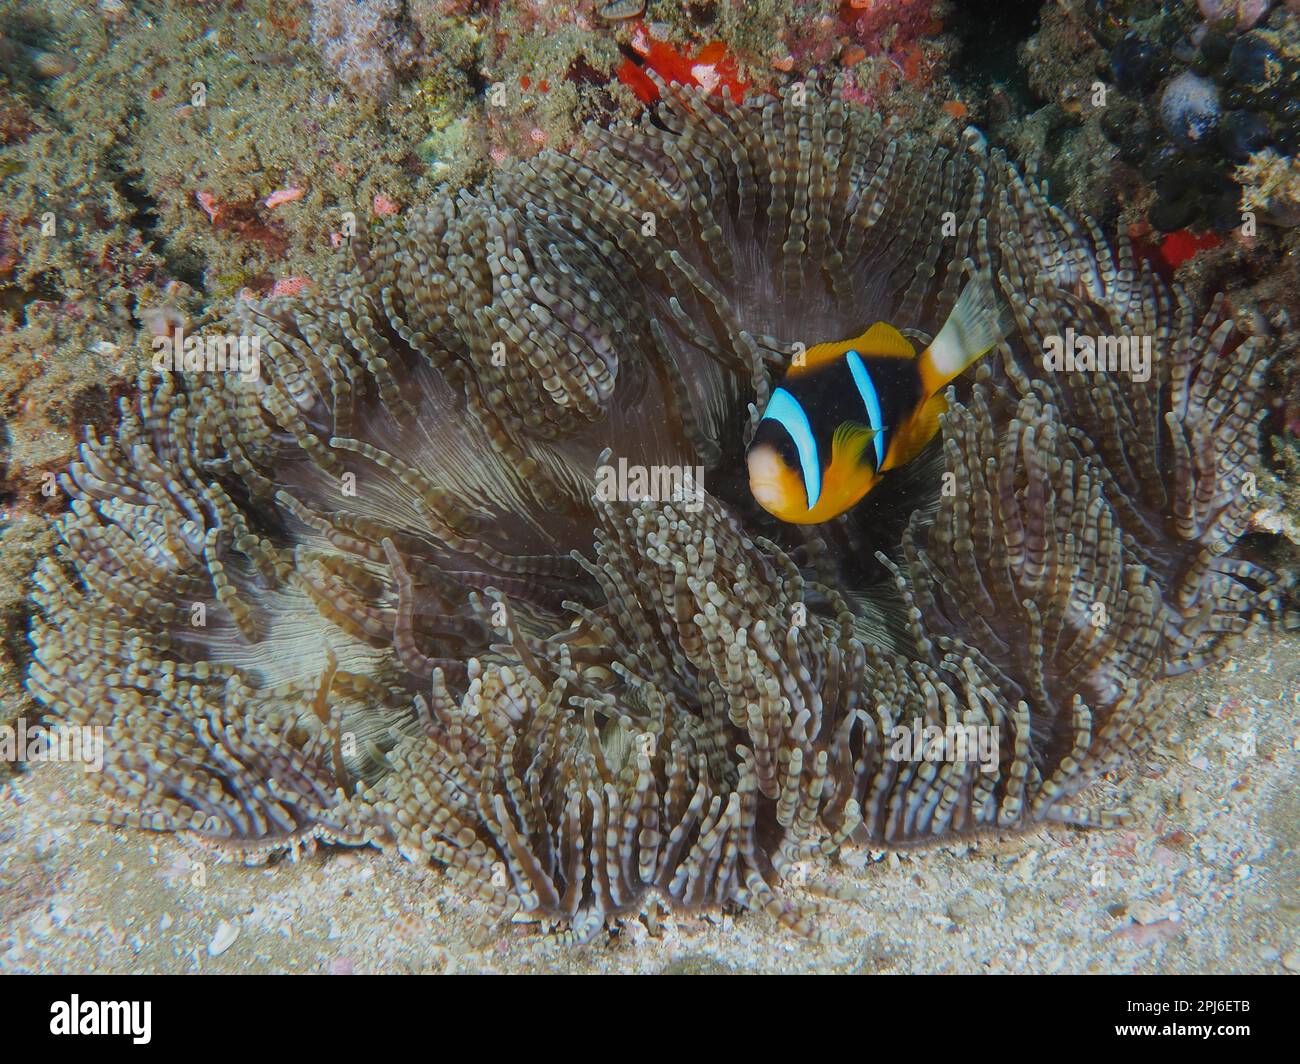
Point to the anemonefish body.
(850, 411)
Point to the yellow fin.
(848, 443)
(883, 340)
(817, 355)
(848, 478)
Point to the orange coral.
(712, 68)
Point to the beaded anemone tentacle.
(374, 594)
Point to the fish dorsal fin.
(883, 340)
(849, 442)
(817, 355)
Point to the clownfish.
(848, 412)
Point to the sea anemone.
(372, 594)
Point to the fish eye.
(786, 449)
(777, 436)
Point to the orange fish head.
(775, 486)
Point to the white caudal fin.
(978, 321)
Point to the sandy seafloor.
(1207, 879)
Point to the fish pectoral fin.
(848, 477)
(884, 341)
(850, 441)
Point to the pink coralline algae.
(368, 43)
(899, 31)
(284, 195)
(208, 202)
(889, 26)
(289, 286)
(283, 286)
